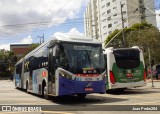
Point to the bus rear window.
(127, 58)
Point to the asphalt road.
(99, 103)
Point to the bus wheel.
(120, 90)
(27, 87)
(81, 96)
(45, 95)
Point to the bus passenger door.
(22, 75)
(51, 72)
(30, 80)
(30, 85)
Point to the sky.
(24, 21)
(157, 5)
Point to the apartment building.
(102, 17)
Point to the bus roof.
(66, 37)
(20, 61)
(74, 38)
(110, 49)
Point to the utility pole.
(122, 29)
(41, 37)
(149, 53)
(123, 34)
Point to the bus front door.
(51, 72)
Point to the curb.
(149, 80)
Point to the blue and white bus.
(66, 64)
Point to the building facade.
(150, 12)
(19, 49)
(102, 17)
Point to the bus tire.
(81, 96)
(27, 87)
(45, 94)
(44, 91)
(120, 90)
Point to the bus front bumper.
(127, 85)
(70, 87)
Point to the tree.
(143, 35)
(117, 42)
(7, 61)
(146, 38)
(31, 47)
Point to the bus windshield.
(80, 57)
(127, 58)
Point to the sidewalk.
(154, 80)
(156, 84)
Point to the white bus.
(125, 68)
(66, 64)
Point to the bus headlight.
(104, 75)
(66, 75)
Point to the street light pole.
(149, 54)
(41, 41)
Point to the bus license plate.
(129, 77)
(88, 89)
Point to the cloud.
(5, 46)
(27, 40)
(75, 31)
(19, 16)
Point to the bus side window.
(17, 70)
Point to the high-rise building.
(150, 12)
(102, 17)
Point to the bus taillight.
(145, 75)
(112, 78)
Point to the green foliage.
(31, 47)
(139, 26)
(5, 74)
(118, 38)
(147, 38)
(116, 42)
(144, 35)
(7, 61)
(111, 36)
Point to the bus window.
(127, 59)
(83, 56)
(61, 59)
(19, 68)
